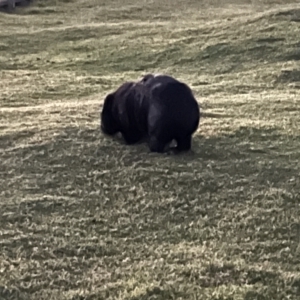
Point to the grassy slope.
(82, 215)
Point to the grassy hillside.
(83, 216)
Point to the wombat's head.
(108, 123)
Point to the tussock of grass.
(83, 216)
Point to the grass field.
(83, 216)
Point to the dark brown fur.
(160, 108)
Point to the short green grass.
(83, 216)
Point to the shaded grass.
(83, 216)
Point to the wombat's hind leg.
(184, 143)
(155, 145)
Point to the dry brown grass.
(83, 216)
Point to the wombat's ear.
(146, 77)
